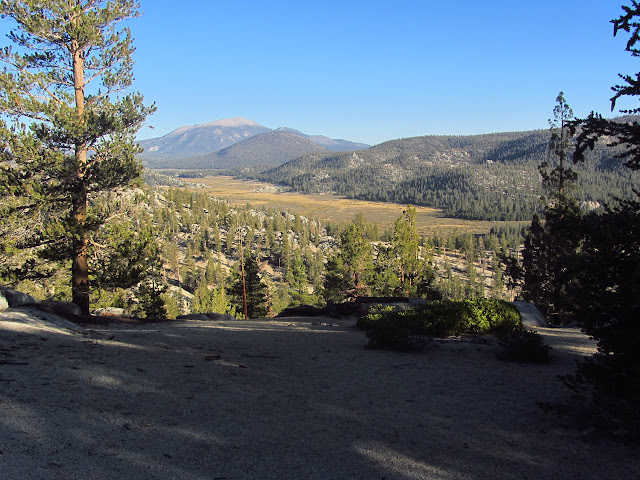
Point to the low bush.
(522, 345)
(374, 315)
(490, 314)
(387, 328)
(395, 333)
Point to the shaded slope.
(485, 177)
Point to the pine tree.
(150, 295)
(213, 272)
(624, 134)
(406, 248)
(299, 283)
(472, 273)
(608, 300)
(337, 281)
(268, 237)
(207, 300)
(498, 280)
(217, 241)
(65, 73)
(315, 260)
(173, 304)
(189, 273)
(386, 282)
(172, 256)
(561, 177)
(355, 253)
(552, 244)
(255, 288)
(287, 258)
(133, 257)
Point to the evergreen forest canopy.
(479, 177)
(178, 251)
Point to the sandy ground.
(282, 400)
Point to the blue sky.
(371, 71)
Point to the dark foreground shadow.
(279, 400)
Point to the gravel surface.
(289, 399)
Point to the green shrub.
(443, 318)
(489, 315)
(376, 313)
(388, 328)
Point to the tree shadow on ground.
(246, 400)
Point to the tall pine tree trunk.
(80, 266)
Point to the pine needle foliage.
(69, 125)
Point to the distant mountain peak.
(211, 139)
(232, 122)
(193, 140)
(225, 122)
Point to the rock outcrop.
(531, 316)
(10, 298)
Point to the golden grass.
(332, 207)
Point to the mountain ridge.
(335, 144)
(193, 140)
(206, 139)
(475, 177)
(266, 150)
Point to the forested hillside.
(303, 261)
(187, 246)
(483, 177)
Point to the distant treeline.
(483, 177)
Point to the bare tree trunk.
(80, 267)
